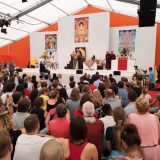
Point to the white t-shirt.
(68, 86)
(108, 121)
(28, 147)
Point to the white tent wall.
(98, 37)
(145, 44)
(37, 44)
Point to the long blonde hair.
(119, 118)
(6, 122)
(97, 99)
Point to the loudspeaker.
(116, 73)
(19, 70)
(147, 13)
(99, 67)
(79, 71)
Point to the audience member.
(71, 79)
(151, 78)
(16, 96)
(123, 93)
(38, 103)
(30, 144)
(22, 112)
(131, 142)
(34, 81)
(76, 147)
(148, 129)
(98, 81)
(5, 145)
(110, 99)
(92, 86)
(95, 127)
(69, 90)
(51, 150)
(145, 95)
(45, 98)
(55, 126)
(74, 101)
(6, 123)
(107, 120)
(131, 107)
(33, 96)
(84, 99)
(97, 99)
(8, 87)
(113, 140)
(27, 92)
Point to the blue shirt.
(151, 77)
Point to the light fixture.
(4, 30)
(6, 23)
(23, 1)
(1, 23)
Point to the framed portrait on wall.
(81, 29)
(51, 43)
(127, 41)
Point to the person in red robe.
(108, 60)
(113, 56)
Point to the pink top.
(59, 127)
(75, 151)
(147, 128)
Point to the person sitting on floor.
(30, 144)
(5, 145)
(76, 147)
(48, 153)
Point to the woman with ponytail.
(131, 143)
(113, 134)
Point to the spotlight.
(6, 23)
(3, 30)
(24, 1)
(1, 23)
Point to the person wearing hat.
(95, 127)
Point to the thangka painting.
(81, 29)
(81, 50)
(51, 43)
(127, 42)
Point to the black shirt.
(14, 136)
(110, 136)
(40, 114)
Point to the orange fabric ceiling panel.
(118, 20)
(53, 27)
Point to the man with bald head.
(52, 150)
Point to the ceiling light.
(1, 23)
(5, 22)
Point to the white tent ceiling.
(49, 13)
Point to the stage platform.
(67, 72)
